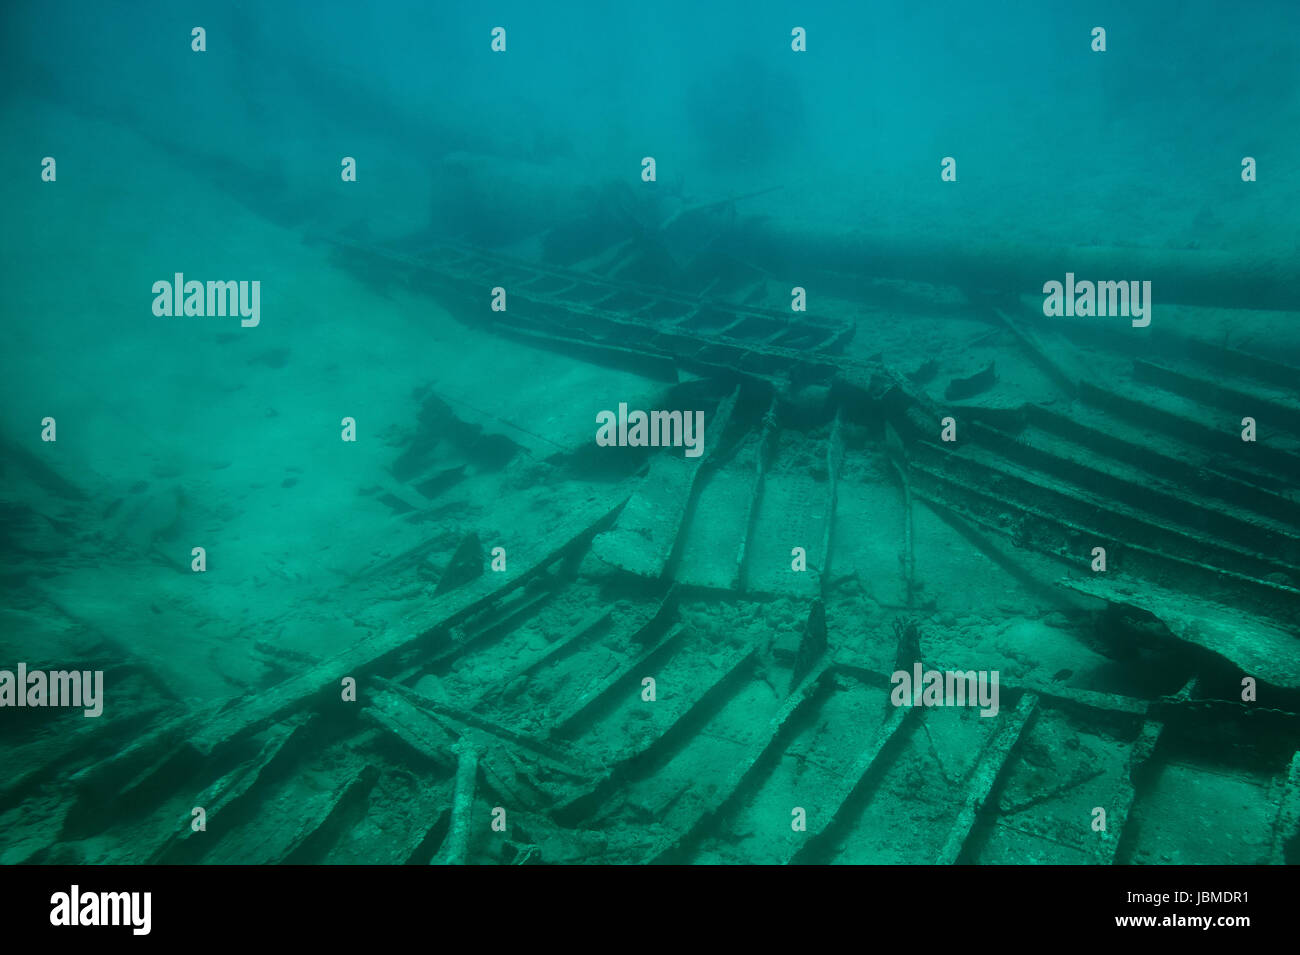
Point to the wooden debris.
(456, 847)
(990, 768)
(466, 564)
(323, 681)
(394, 712)
(1121, 803)
(1257, 646)
(742, 775)
(834, 460)
(646, 538)
(225, 802)
(766, 451)
(599, 694)
(858, 774)
(321, 829)
(898, 458)
(812, 644)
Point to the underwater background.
(428, 598)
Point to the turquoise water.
(338, 531)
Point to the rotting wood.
(642, 539)
(1131, 404)
(812, 644)
(1106, 848)
(1056, 534)
(456, 847)
(647, 537)
(50, 758)
(315, 837)
(155, 766)
(362, 659)
(413, 727)
(733, 666)
(508, 763)
(742, 775)
(224, 801)
(599, 695)
(899, 459)
(113, 772)
(1001, 556)
(858, 776)
(484, 628)
(1039, 354)
(993, 761)
(583, 631)
(723, 677)
(708, 462)
(834, 460)
(465, 565)
(767, 442)
(1212, 391)
(453, 268)
(559, 758)
(1170, 511)
(656, 365)
(1047, 795)
(1254, 644)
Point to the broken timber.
(442, 613)
(992, 763)
(646, 538)
(456, 847)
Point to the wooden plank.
(656, 365)
(858, 773)
(723, 677)
(581, 632)
(646, 540)
(1088, 699)
(716, 529)
(324, 680)
(642, 540)
(559, 757)
(834, 460)
(316, 832)
(394, 713)
(790, 514)
(600, 694)
(992, 762)
(743, 774)
(1256, 645)
(52, 756)
(455, 848)
(766, 451)
(1121, 804)
(224, 801)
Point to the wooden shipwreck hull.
(513, 700)
(521, 699)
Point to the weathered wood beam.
(993, 761)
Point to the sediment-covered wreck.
(504, 715)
